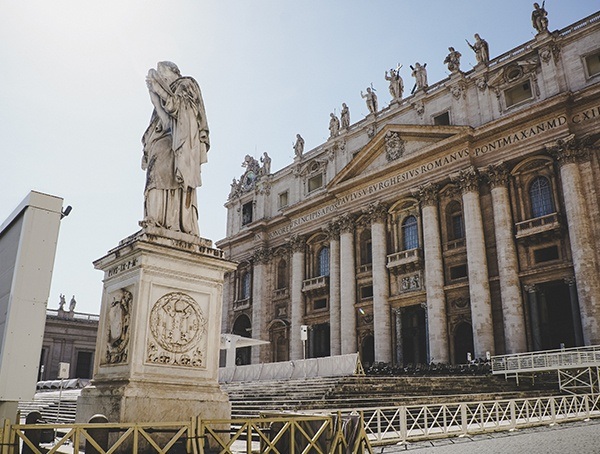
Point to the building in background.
(69, 337)
(461, 219)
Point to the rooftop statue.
(371, 100)
(481, 49)
(345, 116)
(453, 60)
(539, 18)
(396, 83)
(334, 125)
(175, 146)
(419, 72)
(299, 146)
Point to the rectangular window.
(315, 182)
(458, 230)
(366, 292)
(283, 199)
(442, 119)
(320, 304)
(518, 93)
(458, 272)
(546, 254)
(247, 213)
(592, 64)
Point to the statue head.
(536, 5)
(168, 70)
(477, 36)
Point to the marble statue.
(61, 303)
(481, 49)
(345, 116)
(396, 83)
(419, 72)
(266, 164)
(539, 18)
(371, 99)
(175, 146)
(299, 146)
(334, 125)
(453, 60)
(72, 304)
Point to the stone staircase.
(251, 398)
(47, 403)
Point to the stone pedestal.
(159, 333)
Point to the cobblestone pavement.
(568, 438)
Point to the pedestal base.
(152, 402)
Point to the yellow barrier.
(284, 434)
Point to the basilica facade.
(461, 220)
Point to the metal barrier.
(324, 434)
(417, 422)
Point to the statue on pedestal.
(539, 18)
(299, 146)
(453, 60)
(334, 125)
(481, 49)
(175, 146)
(371, 100)
(345, 116)
(419, 72)
(396, 83)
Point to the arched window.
(282, 276)
(410, 233)
(245, 285)
(456, 226)
(540, 196)
(323, 264)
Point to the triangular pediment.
(398, 145)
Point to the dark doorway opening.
(242, 327)
(414, 339)
(319, 345)
(463, 342)
(367, 350)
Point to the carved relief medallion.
(118, 320)
(394, 146)
(177, 328)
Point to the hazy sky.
(74, 104)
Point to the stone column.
(399, 345)
(381, 307)
(260, 305)
(434, 276)
(567, 152)
(479, 286)
(534, 316)
(515, 340)
(297, 245)
(575, 311)
(333, 230)
(348, 289)
(427, 347)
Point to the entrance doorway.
(556, 319)
(463, 342)
(242, 327)
(319, 342)
(414, 339)
(367, 350)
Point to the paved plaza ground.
(568, 438)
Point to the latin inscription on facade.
(177, 332)
(513, 138)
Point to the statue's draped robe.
(173, 154)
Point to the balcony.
(454, 245)
(240, 305)
(367, 268)
(405, 261)
(281, 293)
(543, 226)
(316, 286)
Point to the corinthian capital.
(347, 223)
(428, 194)
(261, 255)
(497, 175)
(376, 212)
(332, 229)
(566, 150)
(297, 243)
(468, 180)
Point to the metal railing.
(286, 434)
(411, 423)
(548, 360)
(537, 225)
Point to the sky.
(74, 103)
